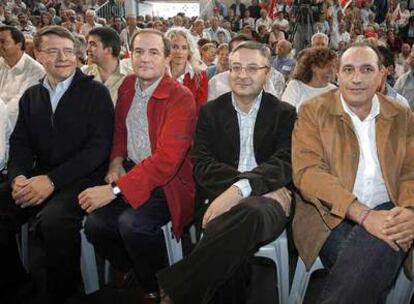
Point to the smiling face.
(244, 83)
(359, 76)
(57, 56)
(148, 58)
(8, 48)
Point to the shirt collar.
(375, 108)
(61, 86)
(148, 91)
(253, 110)
(188, 69)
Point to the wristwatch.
(115, 189)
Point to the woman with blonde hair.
(312, 76)
(186, 65)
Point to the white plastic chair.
(174, 247)
(88, 262)
(402, 291)
(301, 280)
(278, 252)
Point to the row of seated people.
(340, 171)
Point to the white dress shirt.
(5, 131)
(14, 81)
(247, 159)
(369, 186)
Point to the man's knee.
(258, 207)
(133, 221)
(94, 227)
(55, 219)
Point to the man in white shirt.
(129, 31)
(243, 201)
(264, 20)
(352, 162)
(90, 16)
(104, 46)
(25, 27)
(197, 30)
(18, 71)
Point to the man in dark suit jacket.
(60, 146)
(242, 166)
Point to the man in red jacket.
(150, 173)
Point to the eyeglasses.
(55, 52)
(250, 69)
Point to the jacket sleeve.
(96, 149)
(211, 175)
(119, 145)
(406, 191)
(173, 144)
(276, 172)
(21, 156)
(202, 91)
(310, 169)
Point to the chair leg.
(301, 280)
(277, 251)
(174, 248)
(88, 265)
(402, 291)
(24, 245)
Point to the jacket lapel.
(265, 118)
(384, 139)
(231, 125)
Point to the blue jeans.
(362, 268)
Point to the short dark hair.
(52, 30)
(109, 38)
(362, 44)
(387, 57)
(15, 34)
(165, 41)
(252, 45)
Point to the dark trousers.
(362, 267)
(57, 221)
(215, 270)
(132, 238)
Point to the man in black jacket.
(242, 166)
(59, 147)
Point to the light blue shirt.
(57, 93)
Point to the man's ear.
(38, 55)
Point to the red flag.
(271, 10)
(345, 4)
(126, 54)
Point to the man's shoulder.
(280, 106)
(322, 104)
(33, 64)
(216, 105)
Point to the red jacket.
(198, 85)
(171, 122)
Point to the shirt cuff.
(244, 186)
